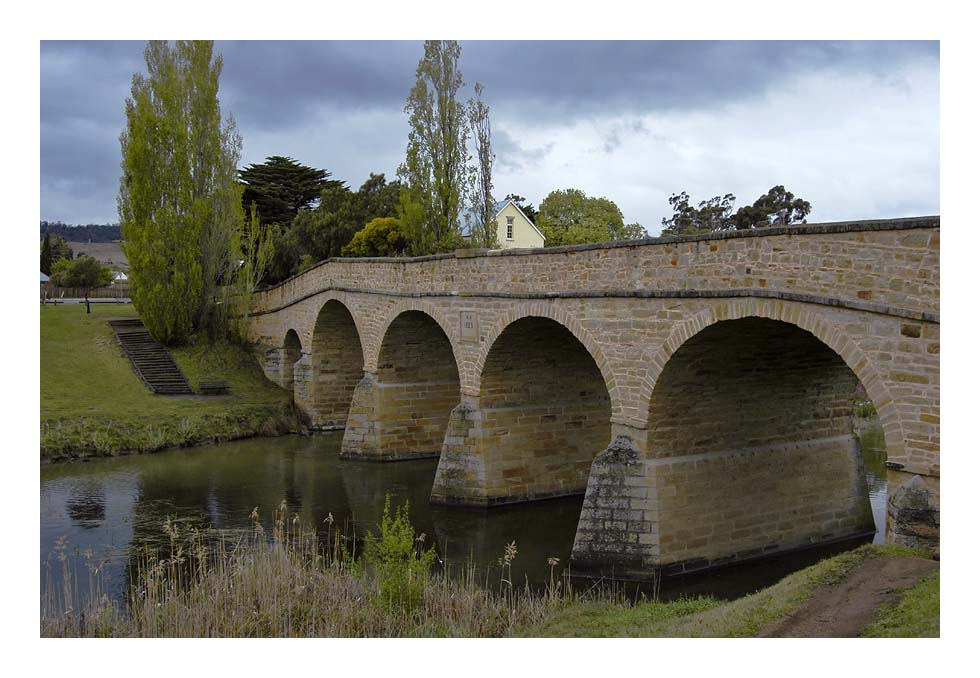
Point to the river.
(106, 511)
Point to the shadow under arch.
(336, 365)
(563, 318)
(292, 351)
(797, 315)
(750, 445)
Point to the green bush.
(380, 237)
(400, 566)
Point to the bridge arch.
(545, 411)
(403, 407)
(292, 351)
(749, 437)
(798, 315)
(560, 316)
(336, 364)
(434, 313)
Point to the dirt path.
(843, 609)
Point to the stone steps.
(151, 360)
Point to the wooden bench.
(213, 387)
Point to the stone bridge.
(698, 390)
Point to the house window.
(510, 228)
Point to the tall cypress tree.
(280, 187)
(46, 255)
(179, 200)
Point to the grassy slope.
(915, 616)
(743, 617)
(92, 402)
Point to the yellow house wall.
(524, 233)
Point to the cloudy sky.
(852, 127)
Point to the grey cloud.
(511, 155)
(279, 91)
(569, 80)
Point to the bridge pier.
(395, 421)
(671, 515)
(913, 510)
(617, 529)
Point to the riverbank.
(282, 582)
(889, 591)
(94, 404)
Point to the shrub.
(379, 238)
(400, 566)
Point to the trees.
(281, 187)
(777, 207)
(435, 167)
(569, 217)
(84, 272)
(46, 254)
(320, 233)
(256, 246)
(379, 238)
(179, 200)
(54, 248)
(710, 215)
(484, 230)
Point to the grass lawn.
(93, 403)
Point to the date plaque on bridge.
(467, 326)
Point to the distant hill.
(86, 233)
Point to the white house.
(514, 229)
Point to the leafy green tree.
(435, 169)
(46, 254)
(83, 272)
(484, 230)
(256, 246)
(778, 207)
(710, 215)
(569, 217)
(58, 248)
(320, 233)
(529, 211)
(179, 201)
(379, 238)
(634, 231)
(281, 187)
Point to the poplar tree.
(435, 168)
(484, 231)
(179, 199)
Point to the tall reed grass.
(288, 582)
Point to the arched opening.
(418, 387)
(545, 412)
(292, 351)
(336, 366)
(750, 436)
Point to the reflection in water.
(86, 505)
(116, 507)
(872, 437)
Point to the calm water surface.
(109, 509)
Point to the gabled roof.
(498, 207)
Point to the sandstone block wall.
(868, 292)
